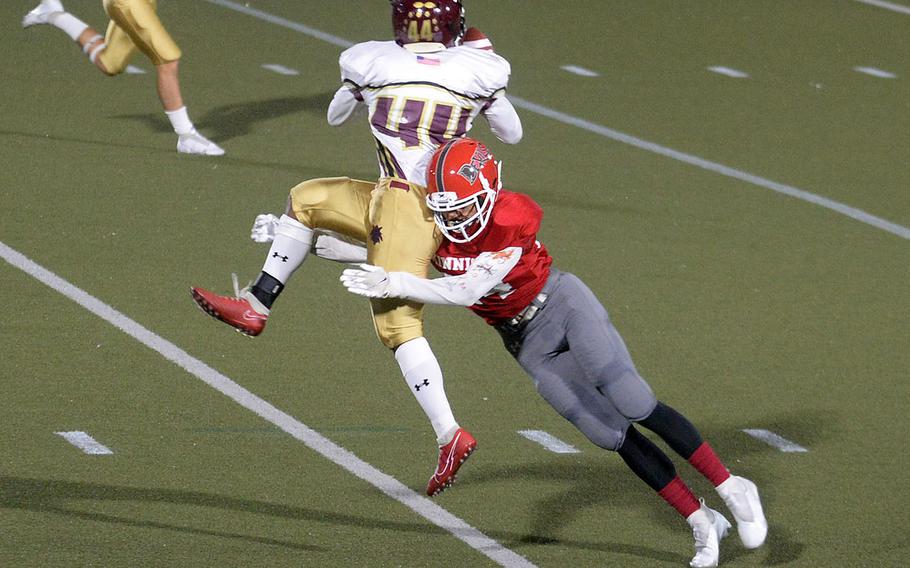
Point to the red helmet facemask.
(440, 21)
(462, 174)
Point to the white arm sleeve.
(504, 121)
(340, 248)
(342, 106)
(487, 272)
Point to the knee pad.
(629, 394)
(313, 194)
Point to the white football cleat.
(741, 497)
(708, 527)
(195, 143)
(41, 12)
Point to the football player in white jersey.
(420, 90)
(134, 26)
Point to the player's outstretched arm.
(488, 271)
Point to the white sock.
(424, 377)
(180, 120)
(289, 249)
(70, 24)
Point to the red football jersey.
(514, 222)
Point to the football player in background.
(134, 26)
(561, 335)
(420, 90)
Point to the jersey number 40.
(420, 122)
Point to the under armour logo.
(282, 257)
(426, 383)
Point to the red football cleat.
(451, 456)
(236, 312)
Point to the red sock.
(708, 464)
(680, 497)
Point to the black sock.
(266, 289)
(674, 428)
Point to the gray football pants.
(580, 364)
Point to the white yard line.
(876, 72)
(280, 69)
(311, 438)
(715, 167)
(803, 195)
(285, 23)
(549, 441)
(86, 443)
(729, 72)
(775, 440)
(580, 71)
(899, 8)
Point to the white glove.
(264, 228)
(370, 281)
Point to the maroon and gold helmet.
(440, 21)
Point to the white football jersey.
(418, 101)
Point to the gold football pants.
(392, 218)
(135, 26)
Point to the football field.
(732, 178)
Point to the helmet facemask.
(467, 228)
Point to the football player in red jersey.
(561, 335)
(134, 26)
(423, 88)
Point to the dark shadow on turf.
(596, 479)
(230, 121)
(606, 484)
(51, 496)
(304, 173)
(604, 481)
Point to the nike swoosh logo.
(252, 316)
(444, 467)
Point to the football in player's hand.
(476, 39)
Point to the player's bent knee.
(604, 437)
(312, 195)
(108, 67)
(639, 407)
(629, 393)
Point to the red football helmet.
(440, 21)
(463, 181)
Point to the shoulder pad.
(491, 70)
(357, 62)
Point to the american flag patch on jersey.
(427, 60)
